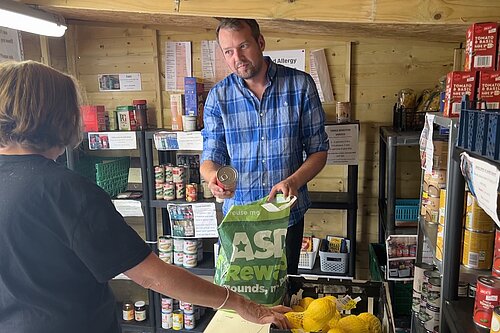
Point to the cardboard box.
(481, 46)
(440, 157)
(94, 119)
(458, 83)
(126, 118)
(177, 110)
(488, 90)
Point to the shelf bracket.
(177, 5)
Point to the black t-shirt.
(61, 240)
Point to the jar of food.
(128, 311)
(140, 311)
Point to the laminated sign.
(252, 259)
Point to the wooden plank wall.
(380, 67)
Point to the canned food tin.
(180, 190)
(189, 260)
(487, 297)
(476, 218)
(178, 258)
(159, 191)
(227, 176)
(207, 193)
(178, 174)
(434, 293)
(425, 288)
(495, 320)
(178, 244)
(418, 275)
(167, 304)
(191, 192)
(165, 243)
(166, 256)
(463, 289)
(169, 191)
(169, 173)
(472, 289)
(177, 320)
(190, 246)
(189, 321)
(188, 307)
(442, 205)
(159, 174)
(166, 320)
(439, 242)
(478, 249)
(496, 255)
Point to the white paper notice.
(177, 65)
(321, 75)
(482, 179)
(426, 144)
(178, 140)
(10, 45)
(213, 65)
(128, 208)
(112, 140)
(290, 58)
(119, 82)
(193, 220)
(343, 144)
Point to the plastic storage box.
(307, 259)
(336, 263)
(407, 210)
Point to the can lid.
(490, 281)
(227, 175)
(139, 101)
(140, 304)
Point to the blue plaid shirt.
(264, 140)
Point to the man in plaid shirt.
(266, 121)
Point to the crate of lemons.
(322, 315)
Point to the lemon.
(353, 324)
(374, 325)
(336, 330)
(311, 325)
(305, 302)
(334, 320)
(295, 318)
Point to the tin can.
(189, 321)
(188, 307)
(425, 288)
(167, 304)
(227, 177)
(472, 289)
(487, 297)
(165, 256)
(495, 320)
(159, 174)
(439, 242)
(178, 244)
(478, 249)
(178, 258)
(192, 192)
(166, 320)
(476, 218)
(417, 283)
(169, 173)
(442, 205)
(207, 193)
(187, 173)
(178, 174)
(463, 289)
(177, 320)
(165, 243)
(128, 311)
(169, 191)
(496, 255)
(434, 293)
(180, 190)
(190, 260)
(190, 246)
(159, 191)
(343, 112)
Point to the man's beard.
(249, 72)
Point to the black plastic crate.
(408, 119)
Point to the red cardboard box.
(94, 118)
(458, 83)
(488, 90)
(481, 46)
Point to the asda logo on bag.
(263, 244)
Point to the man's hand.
(287, 187)
(218, 191)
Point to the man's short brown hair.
(39, 107)
(237, 24)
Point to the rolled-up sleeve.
(214, 139)
(314, 137)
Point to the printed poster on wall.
(213, 65)
(290, 58)
(193, 220)
(178, 65)
(11, 47)
(343, 144)
(119, 82)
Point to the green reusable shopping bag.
(252, 257)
